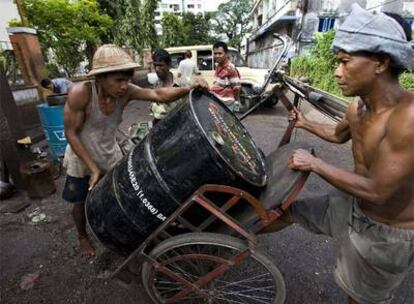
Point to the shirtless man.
(92, 114)
(373, 224)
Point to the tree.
(129, 31)
(196, 28)
(185, 29)
(149, 35)
(67, 28)
(133, 22)
(172, 30)
(231, 20)
(115, 9)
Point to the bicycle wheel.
(256, 280)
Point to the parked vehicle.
(252, 79)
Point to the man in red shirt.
(227, 79)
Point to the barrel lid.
(228, 137)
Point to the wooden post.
(10, 131)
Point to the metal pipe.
(286, 44)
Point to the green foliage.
(67, 27)
(172, 30)
(129, 32)
(9, 66)
(133, 24)
(319, 66)
(231, 20)
(53, 70)
(185, 29)
(149, 35)
(115, 9)
(407, 81)
(14, 22)
(196, 29)
(5, 61)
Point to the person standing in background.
(186, 69)
(161, 61)
(226, 85)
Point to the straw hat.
(111, 58)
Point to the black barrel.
(200, 142)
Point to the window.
(326, 24)
(205, 60)
(190, 6)
(175, 7)
(175, 59)
(259, 20)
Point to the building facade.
(301, 19)
(177, 7)
(9, 12)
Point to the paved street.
(305, 260)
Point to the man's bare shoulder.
(79, 95)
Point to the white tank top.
(98, 137)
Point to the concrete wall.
(263, 51)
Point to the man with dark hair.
(161, 61)
(227, 79)
(92, 114)
(186, 69)
(57, 85)
(372, 221)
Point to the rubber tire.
(271, 102)
(213, 239)
(245, 91)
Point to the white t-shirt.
(186, 68)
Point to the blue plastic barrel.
(52, 123)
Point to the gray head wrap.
(379, 33)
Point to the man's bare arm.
(163, 95)
(339, 133)
(392, 166)
(74, 116)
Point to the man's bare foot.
(86, 247)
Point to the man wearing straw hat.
(92, 114)
(372, 221)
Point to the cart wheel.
(255, 280)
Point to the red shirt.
(227, 78)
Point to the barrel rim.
(195, 117)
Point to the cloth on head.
(374, 33)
